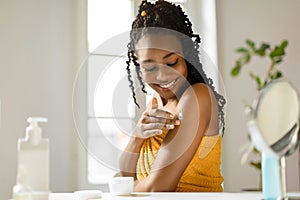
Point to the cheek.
(147, 77)
(182, 69)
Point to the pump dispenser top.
(33, 131)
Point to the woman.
(176, 145)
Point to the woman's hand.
(154, 120)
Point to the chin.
(167, 95)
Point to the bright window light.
(107, 126)
(107, 19)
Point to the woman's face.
(162, 65)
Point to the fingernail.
(177, 122)
(170, 126)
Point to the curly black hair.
(168, 16)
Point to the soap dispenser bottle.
(33, 159)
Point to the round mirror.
(277, 116)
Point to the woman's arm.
(199, 110)
(151, 123)
(129, 157)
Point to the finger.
(160, 113)
(152, 126)
(152, 132)
(152, 119)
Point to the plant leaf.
(276, 52)
(255, 150)
(276, 75)
(244, 59)
(235, 70)
(252, 75)
(284, 44)
(257, 80)
(278, 60)
(261, 51)
(279, 50)
(256, 164)
(251, 44)
(242, 50)
(264, 46)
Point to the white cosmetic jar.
(121, 185)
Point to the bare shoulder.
(200, 97)
(200, 92)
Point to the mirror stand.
(282, 164)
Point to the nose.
(163, 73)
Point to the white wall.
(41, 46)
(269, 21)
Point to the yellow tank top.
(203, 172)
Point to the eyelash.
(150, 69)
(173, 64)
(154, 67)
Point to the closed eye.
(149, 68)
(172, 64)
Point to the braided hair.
(168, 16)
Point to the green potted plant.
(275, 55)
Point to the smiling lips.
(168, 86)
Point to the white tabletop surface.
(175, 195)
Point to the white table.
(176, 195)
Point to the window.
(107, 19)
(110, 116)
